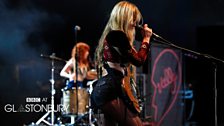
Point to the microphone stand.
(166, 42)
(76, 68)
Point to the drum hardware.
(69, 101)
(51, 112)
(84, 114)
(91, 121)
(53, 57)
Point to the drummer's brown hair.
(82, 48)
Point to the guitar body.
(130, 92)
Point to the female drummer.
(80, 54)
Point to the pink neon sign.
(169, 78)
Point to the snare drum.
(69, 101)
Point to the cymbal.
(52, 57)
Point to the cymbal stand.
(90, 84)
(52, 98)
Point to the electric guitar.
(129, 88)
(130, 91)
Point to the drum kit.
(76, 104)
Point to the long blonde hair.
(123, 14)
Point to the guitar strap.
(126, 74)
(130, 76)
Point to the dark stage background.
(29, 28)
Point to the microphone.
(153, 34)
(77, 28)
(156, 37)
